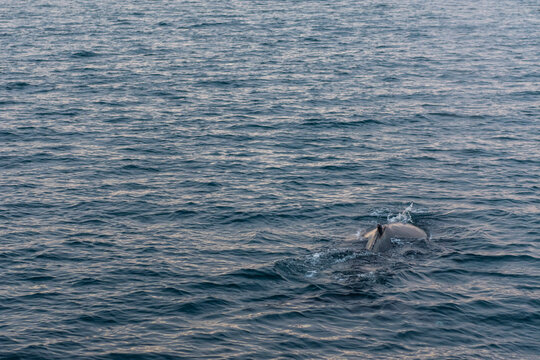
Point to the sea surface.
(191, 179)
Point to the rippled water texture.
(190, 179)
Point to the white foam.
(369, 276)
(403, 217)
(346, 258)
(379, 212)
(316, 257)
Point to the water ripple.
(189, 179)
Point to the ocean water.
(190, 179)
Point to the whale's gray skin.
(379, 239)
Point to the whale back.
(380, 238)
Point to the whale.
(380, 238)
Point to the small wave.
(259, 274)
(206, 24)
(333, 256)
(84, 54)
(134, 168)
(205, 305)
(16, 85)
(319, 264)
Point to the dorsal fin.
(380, 229)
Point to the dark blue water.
(189, 179)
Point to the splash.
(403, 217)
